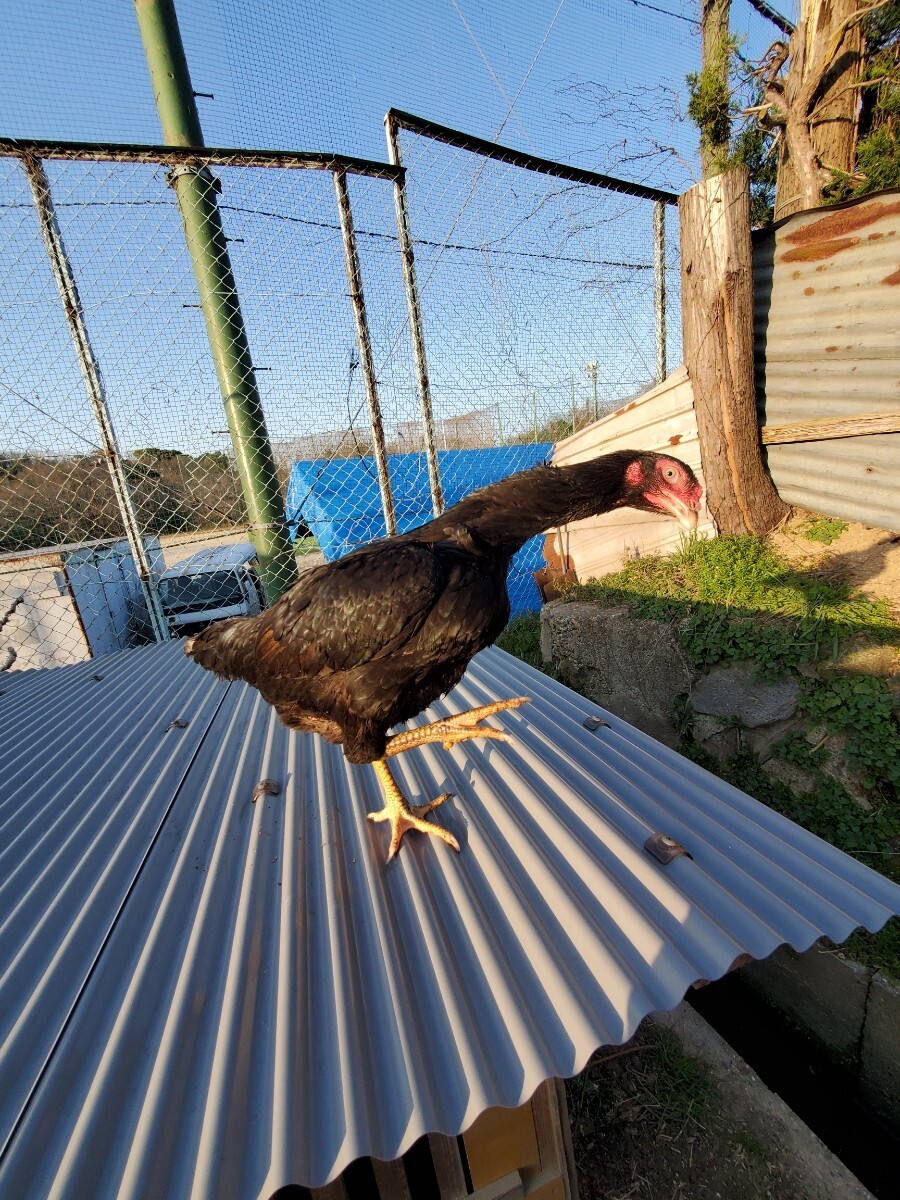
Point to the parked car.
(218, 582)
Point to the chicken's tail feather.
(225, 648)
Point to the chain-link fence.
(119, 460)
(395, 337)
(545, 289)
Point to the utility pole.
(196, 188)
(591, 370)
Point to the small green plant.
(862, 708)
(750, 1144)
(823, 529)
(683, 1084)
(522, 638)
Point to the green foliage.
(752, 148)
(878, 143)
(12, 464)
(155, 454)
(683, 1084)
(823, 529)
(862, 708)
(881, 950)
(734, 598)
(522, 638)
(709, 106)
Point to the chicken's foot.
(404, 816)
(451, 730)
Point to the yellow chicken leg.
(404, 816)
(451, 730)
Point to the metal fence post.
(415, 317)
(93, 381)
(196, 189)
(354, 279)
(659, 286)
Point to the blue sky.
(527, 288)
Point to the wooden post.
(717, 316)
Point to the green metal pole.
(196, 190)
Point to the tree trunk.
(715, 129)
(717, 315)
(821, 109)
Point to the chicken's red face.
(659, 483)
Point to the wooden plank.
(508, 1187)
(336, 1190)
(717, 317)
(570, 1172)
(551, 1123)
(391, 1179)
(545, 1111)
(546, 1186)
(448, 1166)
(823, 429)
(501, 1140)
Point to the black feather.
(362, 644)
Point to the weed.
(522, 637)
(823, 529)
(862, 708)
(683, 1084)
(750, 1144)
(735, 598)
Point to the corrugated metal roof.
(213, 997)
(662, 419)
(827, 342)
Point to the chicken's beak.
(686, 517)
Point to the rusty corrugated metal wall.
(827, 342)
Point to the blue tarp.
(340, 502)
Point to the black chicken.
(362, 644)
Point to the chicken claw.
(404, 816)
(451, 730)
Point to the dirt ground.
(650, 1123)
(869, 559)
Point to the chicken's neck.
(508, 513)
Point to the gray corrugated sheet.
(210, 997)
(827, 333)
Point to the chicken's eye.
(669, 472)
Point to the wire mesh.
(61, 528)
(537, 299)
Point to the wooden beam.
(336, 1190)
(448, 1166)
(499, 1141)
(507, 1188)
(391, 1179)
(717, 315)
(823, 429)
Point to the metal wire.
(534, 314)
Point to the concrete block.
(634, 668)
(818, 992)
(880, 1057)
(735, 692)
